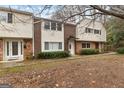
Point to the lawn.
(85, 71)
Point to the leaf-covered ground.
(86, 71)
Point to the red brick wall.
(28, 48)
(37, 36)
(69, 30)
(1, 49)
(79, 46)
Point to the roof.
(15, 11)
(41, 18)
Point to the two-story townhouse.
(16, 33)
(51, 35)
(90, 34)
(22, 36)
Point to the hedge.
(89, 51)
(50, 55)
(120, 50)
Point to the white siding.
(17, 29)
(51, 36)
(81, 35)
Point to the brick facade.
(92, 45)
(37, 36)
(28, 48)
(1, 49)
(69, 30)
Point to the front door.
(13, 50)
(71, 46)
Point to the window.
(85, 45)
(7, 48)
(47, 25)
(60, 45)
(97, 31)
(9, 17)
(88, 30)
(59, 26)
(53, 46)
(53, 26)
(3, 17)
(21, 48)
(46, 46)
(14, 48)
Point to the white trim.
(13, 57)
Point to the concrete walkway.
(30, 62)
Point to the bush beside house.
(89, 51)
(50, 55)
(120, 50)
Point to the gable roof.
(15, 11)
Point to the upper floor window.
(89, 30)
(3, 17)
(97, 31)
(6, 17)
(47, 25)
(59, 26)
(55, 26)
(9, 18)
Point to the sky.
(36, 9)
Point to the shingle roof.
(15, 11)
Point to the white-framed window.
(88, 30)
(97, 31)
(21, 47)
(86, 45)
(6, 17)
(54, 46)
(47, 25)
(59, 26)
(52, 26)
(3, 17)
(7, 48)
(10, 18)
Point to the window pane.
(59, 26)
(88, 30)
(14, 48)
(53, 26)
(9, 17)
(60, 45)
(83, 45)
(21, 48)
(7, 48)
(88, 45)
(96, 31)
(47, 25)
(3, 17)
(46, 46)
